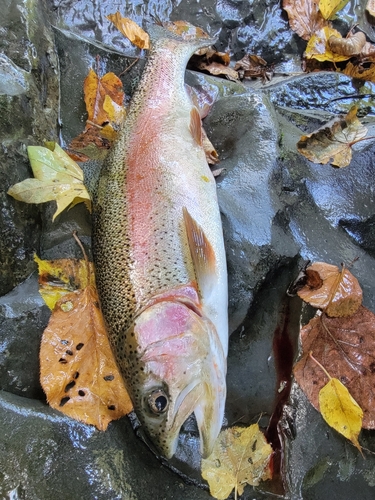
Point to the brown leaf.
(318, 46)
(130, 30)
(350, 46)
(360, 72)
(78, 372)
(346, 348)
(211, 154)
(337, 292)
(333, 141)
(304, 17)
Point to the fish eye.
(158, 401)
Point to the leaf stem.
(363, 139)
(321, 366)
(84, 255)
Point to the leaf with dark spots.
(345, 346)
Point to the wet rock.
(56, 457)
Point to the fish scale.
(159, 255)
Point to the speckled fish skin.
(166, 316)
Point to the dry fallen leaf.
(346, 348)
(78, 372)
(57, 177)
(216, 69)
(130, 30)
(304, 17)
(253, 66)
(336, 292)
(241, 455)
(319, 48)
(341, 411)
(329, 8)
(334, 140)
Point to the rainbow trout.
(159, 255)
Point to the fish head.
(183, 368)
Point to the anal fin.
(202, 254)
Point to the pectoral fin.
(202, 254)
(196, 126)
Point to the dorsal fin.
(202, 254)
(195, 126)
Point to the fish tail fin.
(186, 36)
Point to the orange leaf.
(360, 72)
(131, 30)
(78, 372)
(336, 292)
(96, 89)
(185, 30)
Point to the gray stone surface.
(278, 210)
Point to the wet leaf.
(130, 30)
(333, 142)
(318, 46)
(241, 455)
(78, 372)
(253, 66)
(218, 69)
(346, 348)
(350, 46)
(335, 291)
(341, 411)
(360, 72)
(62, 276)
(99, 94)
(304, 17)
(57, 177)
(329, 8)
(370, 7)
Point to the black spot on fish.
(75, 375)
(69, 352)
(64, 342)
(79, 346)
(81, 392)
(64, 400)
(111, 407)
(108, 378)
(63, 361)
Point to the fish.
(159, 255)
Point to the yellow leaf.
(328, 8)
(241, 455)
(115, 112)
(57, 177)
(78, 372)
(318, 46)
(131, 30)
(96, 90)
(333, 140)
(340, 410)
(62, 276)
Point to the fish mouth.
(197, 398)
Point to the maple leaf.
(324, 286)
(329, 8)
(334, 140)
(78, 372)
(130, 30)
(241, 455)
(304, 17)
(346, 348)
(319, 47)
(57, 177)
